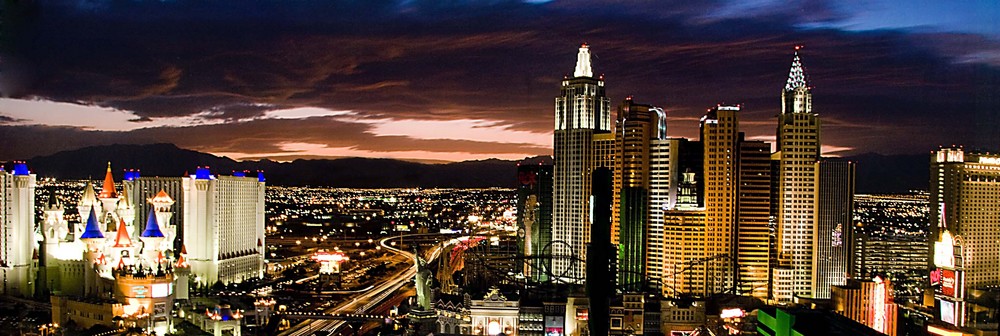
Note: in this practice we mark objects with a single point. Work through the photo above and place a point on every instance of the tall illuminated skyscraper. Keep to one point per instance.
(223, 227)
(581, 111)
(638, 125)
(534, 217)
(17, 231)
(674, 174)
(834, 224)
(798, 150)
(753, 209)
(720, 136)
(964, 203)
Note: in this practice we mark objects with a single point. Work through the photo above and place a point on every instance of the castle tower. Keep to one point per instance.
(152, 240)
(94, 240)
(88, 202)
(126, 210)
(108, 195)
(182, 271)
(123, 249)
(161, 205)
(54, 226)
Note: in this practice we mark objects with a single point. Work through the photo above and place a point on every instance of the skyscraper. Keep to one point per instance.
(638, 125)
(664, 182)
(224, 227)
(582, 110)
(676, 230)
(834, 223)
(719, 136)
(17, 231)
(753, 218)
(534, 206)
(798, 150)
(867, 302)
(685, 268)
(964, 202)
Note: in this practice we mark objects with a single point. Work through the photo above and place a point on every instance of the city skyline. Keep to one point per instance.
(474, 81)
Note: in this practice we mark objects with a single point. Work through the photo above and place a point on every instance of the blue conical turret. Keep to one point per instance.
(152, 228)
(92, 231)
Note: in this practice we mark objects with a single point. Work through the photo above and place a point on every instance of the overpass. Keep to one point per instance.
(293, 315)
(368, 299)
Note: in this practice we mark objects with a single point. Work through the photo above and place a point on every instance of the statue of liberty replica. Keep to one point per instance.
(423, 317)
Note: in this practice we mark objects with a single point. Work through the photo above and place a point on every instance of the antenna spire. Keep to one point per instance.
(797, 75)
(583, 62)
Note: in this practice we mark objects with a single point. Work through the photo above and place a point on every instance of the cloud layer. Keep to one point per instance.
(219, 77)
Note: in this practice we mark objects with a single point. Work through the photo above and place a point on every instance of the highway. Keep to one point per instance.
(371, 298)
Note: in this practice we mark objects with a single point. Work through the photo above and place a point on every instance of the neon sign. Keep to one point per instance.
(948, 283)
(948, 311)
(879, 309)
(989, 160)
(732, 313)
(836, 237)
(944, 251)
(139, 291)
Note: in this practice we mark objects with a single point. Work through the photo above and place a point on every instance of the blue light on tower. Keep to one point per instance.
(21, 168)
(131, 174)
(203, 173)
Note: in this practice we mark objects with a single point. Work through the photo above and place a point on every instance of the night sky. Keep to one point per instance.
(463, 80)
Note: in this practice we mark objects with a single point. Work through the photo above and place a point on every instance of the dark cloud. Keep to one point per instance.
(8, 119)
(499, 61)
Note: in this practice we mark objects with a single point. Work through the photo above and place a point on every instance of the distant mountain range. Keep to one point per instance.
(169, 160)
(876, 173)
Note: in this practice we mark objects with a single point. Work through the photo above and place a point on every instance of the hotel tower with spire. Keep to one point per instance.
(798, 150)
(581, 112)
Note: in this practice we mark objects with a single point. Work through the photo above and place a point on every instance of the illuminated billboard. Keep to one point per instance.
(139, 291)
(935, 277)
(948, 282)
(732, 313)
(952, 283)
(555, 324)
(948, 311)
(879, 318)
(582, 314)
(944, 251)
(161, 290)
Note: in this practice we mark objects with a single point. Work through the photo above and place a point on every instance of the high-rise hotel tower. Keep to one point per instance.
(720, 136)
(582, 110)
(17, 231)
(798, 150)
(638, 126)
(964, 203)
(224, 226)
